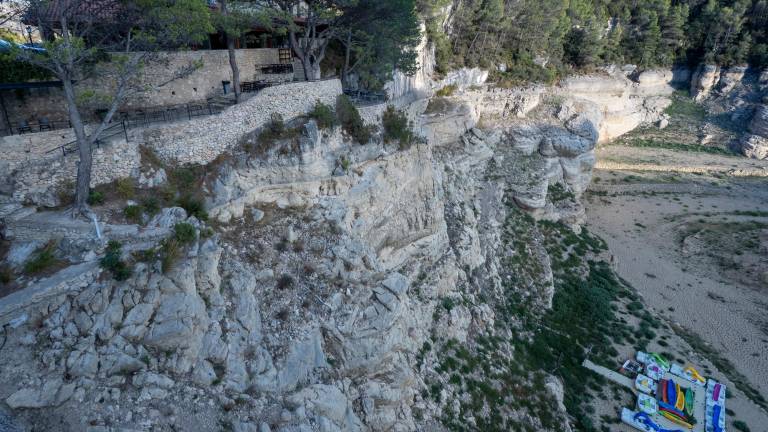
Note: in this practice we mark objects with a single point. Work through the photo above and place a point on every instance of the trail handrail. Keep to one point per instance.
(111, 131)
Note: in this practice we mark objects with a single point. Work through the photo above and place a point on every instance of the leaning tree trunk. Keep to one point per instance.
(311, 68)
(235, 68)
(232, 58)
(84, 150)
(347, 55)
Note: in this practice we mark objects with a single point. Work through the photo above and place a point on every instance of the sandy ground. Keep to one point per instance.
(641, 209)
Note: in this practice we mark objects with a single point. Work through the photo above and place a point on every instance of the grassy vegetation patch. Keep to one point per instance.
(323, 114)
(43, 259)
(683, 106)
(558, 193)
(113, 262)
(653, 143)
(350, 120)
(447, 91)
(397, 128)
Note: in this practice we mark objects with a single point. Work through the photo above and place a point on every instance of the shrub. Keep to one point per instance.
(66, 193)
(185, 179)
(133, 213)
(43, 259)
(146, 255)
(151, 205)
(345, 163)
(398, 128)
(112, 261)
(6, 275)
(350, 120)
(323, 115)
(124, 188)
(184, 233)
(170, 250)
(273, 131)
(193, 206)
(95, 198)
(446, 91)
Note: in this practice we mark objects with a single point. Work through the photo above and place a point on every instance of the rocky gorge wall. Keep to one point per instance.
(312, 304)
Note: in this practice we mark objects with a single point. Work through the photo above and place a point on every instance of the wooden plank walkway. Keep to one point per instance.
(611, 375)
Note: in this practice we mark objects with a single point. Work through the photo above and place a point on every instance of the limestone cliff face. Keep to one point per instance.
(313, 304)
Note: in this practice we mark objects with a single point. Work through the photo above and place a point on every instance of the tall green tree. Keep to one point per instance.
(310, 25)
(379, 37)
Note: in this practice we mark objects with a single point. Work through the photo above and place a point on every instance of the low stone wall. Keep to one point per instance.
(38, 181)
(203, 140)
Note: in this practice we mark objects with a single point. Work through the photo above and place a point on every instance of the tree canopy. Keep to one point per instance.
(540, 39)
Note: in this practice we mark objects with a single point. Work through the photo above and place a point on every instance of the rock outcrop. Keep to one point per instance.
(704, 81)
(755, 143)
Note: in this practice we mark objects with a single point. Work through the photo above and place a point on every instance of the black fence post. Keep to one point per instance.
(125, 131)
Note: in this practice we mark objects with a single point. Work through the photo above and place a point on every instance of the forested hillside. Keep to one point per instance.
(542, 39)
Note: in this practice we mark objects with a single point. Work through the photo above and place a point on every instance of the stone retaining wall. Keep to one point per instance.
(203, 140)
(38, 181)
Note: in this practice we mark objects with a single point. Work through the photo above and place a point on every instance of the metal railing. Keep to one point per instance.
(107, 134)
(254, 86)
(366, 97)
(276, 69)
(42, 125)
(142, 117)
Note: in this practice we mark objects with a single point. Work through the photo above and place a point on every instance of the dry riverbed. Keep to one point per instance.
(690, 232)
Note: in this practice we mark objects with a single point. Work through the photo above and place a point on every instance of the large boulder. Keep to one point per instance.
(754, 146)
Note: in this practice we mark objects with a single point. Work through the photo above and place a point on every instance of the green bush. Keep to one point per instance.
(133, 213)
(151, 205)
(323, 115)
(66, 193)
(350, 120)
(6, 275)
(170, 250)
(114, 264)
(398, 128)
(274, 130)
(95, 198)
(446, 91)
(43, 259)
(184, 232)
(193, 206)
(185, 179)
(125, 188)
